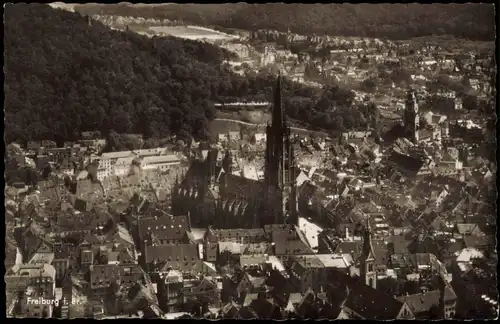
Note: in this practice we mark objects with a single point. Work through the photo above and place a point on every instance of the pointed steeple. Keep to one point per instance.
(368, 227)
(279, 162)
(278, 122)
(367, 259)
(367, 239)
(368, 251)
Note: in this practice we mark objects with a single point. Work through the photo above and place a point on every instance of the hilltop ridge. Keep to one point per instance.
(66, 73)
(395, 21)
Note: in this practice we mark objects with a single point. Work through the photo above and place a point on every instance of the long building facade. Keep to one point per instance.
(212, 195)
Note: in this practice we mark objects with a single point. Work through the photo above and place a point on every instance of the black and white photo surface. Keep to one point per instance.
(250, 161)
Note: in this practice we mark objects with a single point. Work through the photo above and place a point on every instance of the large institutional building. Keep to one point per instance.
(212, 195)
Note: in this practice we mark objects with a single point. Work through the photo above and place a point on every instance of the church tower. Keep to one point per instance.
(280, 165)
(367, 271)
(411, 119)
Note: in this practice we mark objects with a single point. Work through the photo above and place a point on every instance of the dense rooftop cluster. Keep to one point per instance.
(394, 210)
(108, 239)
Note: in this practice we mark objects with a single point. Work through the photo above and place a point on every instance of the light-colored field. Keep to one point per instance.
(191, 32)
(64, 6)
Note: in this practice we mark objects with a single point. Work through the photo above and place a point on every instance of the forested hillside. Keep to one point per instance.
(63, 76)
(397, 21)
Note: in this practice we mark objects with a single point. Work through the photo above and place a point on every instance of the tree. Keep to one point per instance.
(401, 77)
(470, 102)
(339, 123)
(47, 170)
(382, 20)
(465, 81)
(423, 123)
(369, 85)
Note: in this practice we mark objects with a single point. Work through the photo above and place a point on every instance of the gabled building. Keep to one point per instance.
(182, 257)
(165, 229)
(434, 304)
(104, 275)
(365, 302)
(367, 267)
(407, 166)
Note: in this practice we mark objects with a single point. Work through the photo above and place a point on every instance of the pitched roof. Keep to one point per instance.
(176, 256)
(32, 270)
(354, 248)
(160, 159)
(249, 298)
(86, 187)
(209, 236)
(398, 244)
(290, 241)
(408, 164)
(115, 155)
(466, 228)
(173, 276)
(41, 258)
(257, 248)
(237, 186)
(293, 247)
(284, 234)
(480, 242)
(230, 310)
(270, 228)
(371, 303)
(394, 133)
(232, 247)
(423, 302)
(263, 308)
(124, 234)
(252, 260)
(103, 275)
(249, 235)
(308, 190)
(169, 227)
(63, 250)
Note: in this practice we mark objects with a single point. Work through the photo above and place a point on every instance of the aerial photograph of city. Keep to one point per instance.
(250, 161)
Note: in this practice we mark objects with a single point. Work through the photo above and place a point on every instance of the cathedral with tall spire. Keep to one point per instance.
(280, 162)
(212, 194)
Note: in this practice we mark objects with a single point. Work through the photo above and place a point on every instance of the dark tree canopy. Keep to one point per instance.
(65, 74)
(63, 77)
(396, 21)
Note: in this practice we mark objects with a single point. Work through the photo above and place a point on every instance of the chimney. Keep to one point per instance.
(347, 233)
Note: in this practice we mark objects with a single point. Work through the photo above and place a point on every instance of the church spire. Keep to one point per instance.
(278, 122)
(411, 118)
(367, 261)
(367, 237)
(280, 162)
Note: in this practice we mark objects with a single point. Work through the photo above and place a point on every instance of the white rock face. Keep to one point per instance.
(62, 5)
